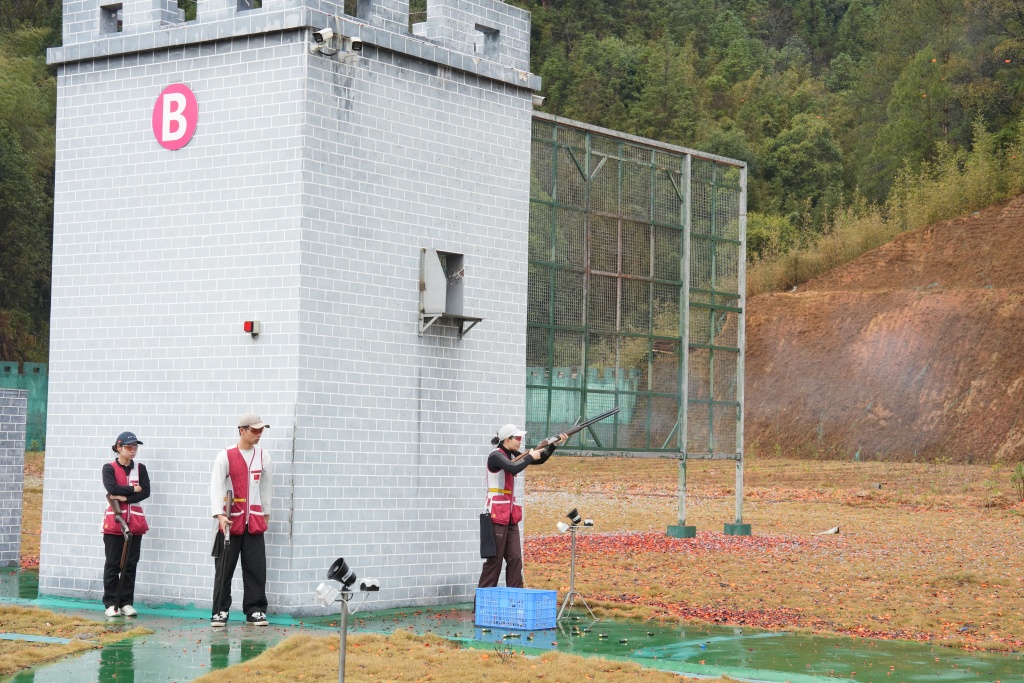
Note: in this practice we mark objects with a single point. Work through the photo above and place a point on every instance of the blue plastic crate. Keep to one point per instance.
(523, 608)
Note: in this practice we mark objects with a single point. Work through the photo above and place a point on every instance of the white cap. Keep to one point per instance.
(252, 420)
(508, 431)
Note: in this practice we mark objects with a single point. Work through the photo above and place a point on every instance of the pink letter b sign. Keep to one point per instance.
(174, 116)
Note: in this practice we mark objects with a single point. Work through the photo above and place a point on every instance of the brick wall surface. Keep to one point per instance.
(303, 201)
(13, 421)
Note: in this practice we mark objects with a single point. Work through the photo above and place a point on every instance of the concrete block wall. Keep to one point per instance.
(13, 421)
(403, 155)
(489, 29)
(140, 16)
(391, 15)
(159, 258)
(303, 202)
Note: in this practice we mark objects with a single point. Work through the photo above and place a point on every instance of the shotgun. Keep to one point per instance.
(221, 553)
(575, 429)
(116, 505)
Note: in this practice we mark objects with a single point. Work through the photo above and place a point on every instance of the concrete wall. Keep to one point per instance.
(13, 418)
(303, 202)
(418, 158)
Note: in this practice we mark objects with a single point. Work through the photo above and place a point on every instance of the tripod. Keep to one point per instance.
(345, 596)
(570, 597)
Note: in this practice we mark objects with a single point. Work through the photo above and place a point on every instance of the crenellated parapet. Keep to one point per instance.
(392, 15)
(139, 16)
(486, 37)
(488, 29)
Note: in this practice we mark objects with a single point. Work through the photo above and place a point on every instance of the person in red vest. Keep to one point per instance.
(128, 482)
(505, 508)
(245, 469)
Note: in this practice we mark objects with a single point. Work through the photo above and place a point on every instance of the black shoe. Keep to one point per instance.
(219, 620)
(257, 619)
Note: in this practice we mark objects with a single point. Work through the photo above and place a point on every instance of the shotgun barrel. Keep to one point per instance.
(575, 429)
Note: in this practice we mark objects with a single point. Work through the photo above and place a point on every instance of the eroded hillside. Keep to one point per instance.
(912, 351)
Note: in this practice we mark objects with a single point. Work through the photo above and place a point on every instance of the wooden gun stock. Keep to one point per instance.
(115, 504)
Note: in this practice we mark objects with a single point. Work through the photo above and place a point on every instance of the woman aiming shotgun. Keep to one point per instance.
(503, 464)
(504, 511)
(127, 484)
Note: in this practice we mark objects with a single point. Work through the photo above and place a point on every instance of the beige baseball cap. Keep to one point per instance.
(252, 420)
(509, 430)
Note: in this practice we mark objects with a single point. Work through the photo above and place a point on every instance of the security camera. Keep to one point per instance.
(356, 45)
(537, 100)
(322, 40)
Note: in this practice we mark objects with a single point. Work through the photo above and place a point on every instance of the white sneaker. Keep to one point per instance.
(257, 619)
(129, 611)
(112, 612)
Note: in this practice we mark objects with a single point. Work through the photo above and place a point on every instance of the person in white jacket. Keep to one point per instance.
(245, 470)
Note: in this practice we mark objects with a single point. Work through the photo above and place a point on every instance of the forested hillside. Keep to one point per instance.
(857, 117)
(824, 99)
(28, 93)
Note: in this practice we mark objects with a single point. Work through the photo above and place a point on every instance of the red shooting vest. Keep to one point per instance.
(245, 483)
(131, 514)
(501, 497)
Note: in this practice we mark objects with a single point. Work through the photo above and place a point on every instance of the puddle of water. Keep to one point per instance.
(20, 584)
(744, 654)
(182, 647)
(153, 659)
(34, 639)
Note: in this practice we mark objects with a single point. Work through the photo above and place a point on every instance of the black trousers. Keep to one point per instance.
(112, 545)
(253, 551)
(506, 538)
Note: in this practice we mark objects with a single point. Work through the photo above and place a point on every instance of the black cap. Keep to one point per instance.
(125, 439)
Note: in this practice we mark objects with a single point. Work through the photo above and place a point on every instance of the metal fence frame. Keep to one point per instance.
(701, 198)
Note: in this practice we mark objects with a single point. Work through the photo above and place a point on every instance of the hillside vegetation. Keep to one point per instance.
(859, 119)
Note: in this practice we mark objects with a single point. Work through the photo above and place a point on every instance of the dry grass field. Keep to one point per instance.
(410, 658)
(930, 552)
(925, 551)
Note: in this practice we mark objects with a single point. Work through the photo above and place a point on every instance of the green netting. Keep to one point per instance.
(33, 378)
(619, 264)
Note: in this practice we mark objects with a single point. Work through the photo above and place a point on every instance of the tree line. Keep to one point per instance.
(830, 102)
(28, 101)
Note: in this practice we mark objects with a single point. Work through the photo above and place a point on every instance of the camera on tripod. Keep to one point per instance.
(577, 523)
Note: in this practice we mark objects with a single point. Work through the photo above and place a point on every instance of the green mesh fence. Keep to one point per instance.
(33, 378)
(618, 227)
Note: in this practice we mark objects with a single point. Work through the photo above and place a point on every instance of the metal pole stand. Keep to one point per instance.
(345, 597)
(570, 597)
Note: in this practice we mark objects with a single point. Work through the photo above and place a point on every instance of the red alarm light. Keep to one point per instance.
(252, 327)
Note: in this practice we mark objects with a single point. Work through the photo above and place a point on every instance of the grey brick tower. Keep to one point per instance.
(304, 199)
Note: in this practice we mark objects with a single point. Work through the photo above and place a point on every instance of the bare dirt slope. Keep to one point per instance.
(914, 350)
